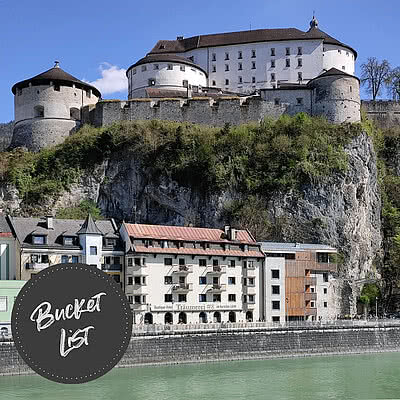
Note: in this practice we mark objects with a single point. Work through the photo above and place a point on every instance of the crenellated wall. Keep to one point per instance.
(233, 110)
(385, 112)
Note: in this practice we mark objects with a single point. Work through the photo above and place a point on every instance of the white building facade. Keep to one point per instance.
(192, 275)
(261, 59)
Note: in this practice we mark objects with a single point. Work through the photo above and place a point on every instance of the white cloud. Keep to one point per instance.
(113, 79)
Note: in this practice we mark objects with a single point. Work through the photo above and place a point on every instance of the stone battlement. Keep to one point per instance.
(209, 111)
(385, 112)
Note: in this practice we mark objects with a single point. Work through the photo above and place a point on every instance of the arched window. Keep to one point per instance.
(249, 316)
(148, 318)
(232, 316)
(182, 318)
(168, 319)
(38, 111)
(75, 113)
(217, 316)
(203, 318)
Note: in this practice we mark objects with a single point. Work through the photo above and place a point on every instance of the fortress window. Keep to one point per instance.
(214, 57)
(240, 67)
(152, 82)
(226, 56)
(170, 67)
(325, 291)
(240, 79)
(161, 47)
(347, 53)
(226, 81)
(299, 101)
(182, 68)
(343, 67)
(253, 65)
(277, 102)
(300, 76)
(273, 52)
(191, 58)
(351, 89)
(299, 62)
(74, 113)
(185, 83)
(272, 77)
(287, 62)
(240, 56)
(88, 93)
(253, 54)
(226, 67)
(57, 88)
(325, 304)
(134, 71)
(214, 83)
(144, 68)
(39, 111)
(299, 51)
(339, 51)
(214, 68)
(272, 63)
(155, 66)
(253, 79)
(288, 51)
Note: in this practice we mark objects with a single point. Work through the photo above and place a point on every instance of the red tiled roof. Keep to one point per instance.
(6, 234)
(142, 231)
(199, 252)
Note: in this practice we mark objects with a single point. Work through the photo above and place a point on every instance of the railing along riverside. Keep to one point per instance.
(232, 326)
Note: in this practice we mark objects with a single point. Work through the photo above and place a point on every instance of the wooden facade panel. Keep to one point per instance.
(332, 267)
(304, 255)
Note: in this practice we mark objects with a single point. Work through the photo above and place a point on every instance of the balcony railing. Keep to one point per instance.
(250, 289)
(140, 307)
(310, 311)
(310, 296)
(325, 266)
(137, 289)
(216, 270)
(111, 267)
(182, 269)
(217, 288)
(37, 265)
(308, 280)
(182, 287)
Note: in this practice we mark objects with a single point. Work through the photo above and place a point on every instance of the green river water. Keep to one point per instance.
(370, 376)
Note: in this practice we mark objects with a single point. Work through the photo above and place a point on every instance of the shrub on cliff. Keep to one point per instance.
(252, 159)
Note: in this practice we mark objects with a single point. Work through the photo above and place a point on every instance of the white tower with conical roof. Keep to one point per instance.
(48, 108)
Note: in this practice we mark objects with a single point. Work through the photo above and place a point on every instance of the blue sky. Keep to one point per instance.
(98, 40)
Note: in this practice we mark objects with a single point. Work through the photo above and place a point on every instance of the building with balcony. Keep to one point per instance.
(297, 283)
(42, 242)
(191, 275)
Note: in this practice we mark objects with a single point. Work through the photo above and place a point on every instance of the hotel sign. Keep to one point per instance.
(199, 308)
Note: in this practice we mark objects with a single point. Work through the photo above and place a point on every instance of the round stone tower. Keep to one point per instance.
(48, 108)
(335, 95)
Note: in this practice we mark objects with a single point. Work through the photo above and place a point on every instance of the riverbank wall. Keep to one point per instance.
(158, 347)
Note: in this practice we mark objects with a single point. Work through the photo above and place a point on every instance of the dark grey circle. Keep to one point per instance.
(102, 331)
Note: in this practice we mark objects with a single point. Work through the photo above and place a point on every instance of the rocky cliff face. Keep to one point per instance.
(343, 211)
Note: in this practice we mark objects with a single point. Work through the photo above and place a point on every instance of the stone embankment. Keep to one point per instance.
(193, 344)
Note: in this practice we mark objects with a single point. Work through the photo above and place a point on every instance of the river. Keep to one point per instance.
(368, 376)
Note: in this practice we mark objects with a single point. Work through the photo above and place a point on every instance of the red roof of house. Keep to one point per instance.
(143, 231)
(199, 252)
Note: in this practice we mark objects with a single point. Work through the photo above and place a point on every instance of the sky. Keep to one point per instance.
(97, 41)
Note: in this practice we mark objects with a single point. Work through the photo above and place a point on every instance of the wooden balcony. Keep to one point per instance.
(310, 311)
(310, 296)
(308, 280)
(320, 266)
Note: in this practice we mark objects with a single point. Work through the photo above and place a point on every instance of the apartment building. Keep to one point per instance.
(298, 280)
(42, 242)
(191, 275)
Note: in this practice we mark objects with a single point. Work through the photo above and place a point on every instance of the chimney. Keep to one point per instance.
(179, 38)
(232, 234)
(49, 222)
(226, 230)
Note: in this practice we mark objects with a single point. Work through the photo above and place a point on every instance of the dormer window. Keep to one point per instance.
(38, 239)
(110, 242)
(68, 241)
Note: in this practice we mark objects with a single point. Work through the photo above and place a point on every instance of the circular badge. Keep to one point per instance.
(71, 323)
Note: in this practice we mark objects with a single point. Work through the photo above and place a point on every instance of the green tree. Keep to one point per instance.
(81, 211)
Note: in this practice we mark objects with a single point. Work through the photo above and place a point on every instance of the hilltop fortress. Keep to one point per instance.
(234, 78)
